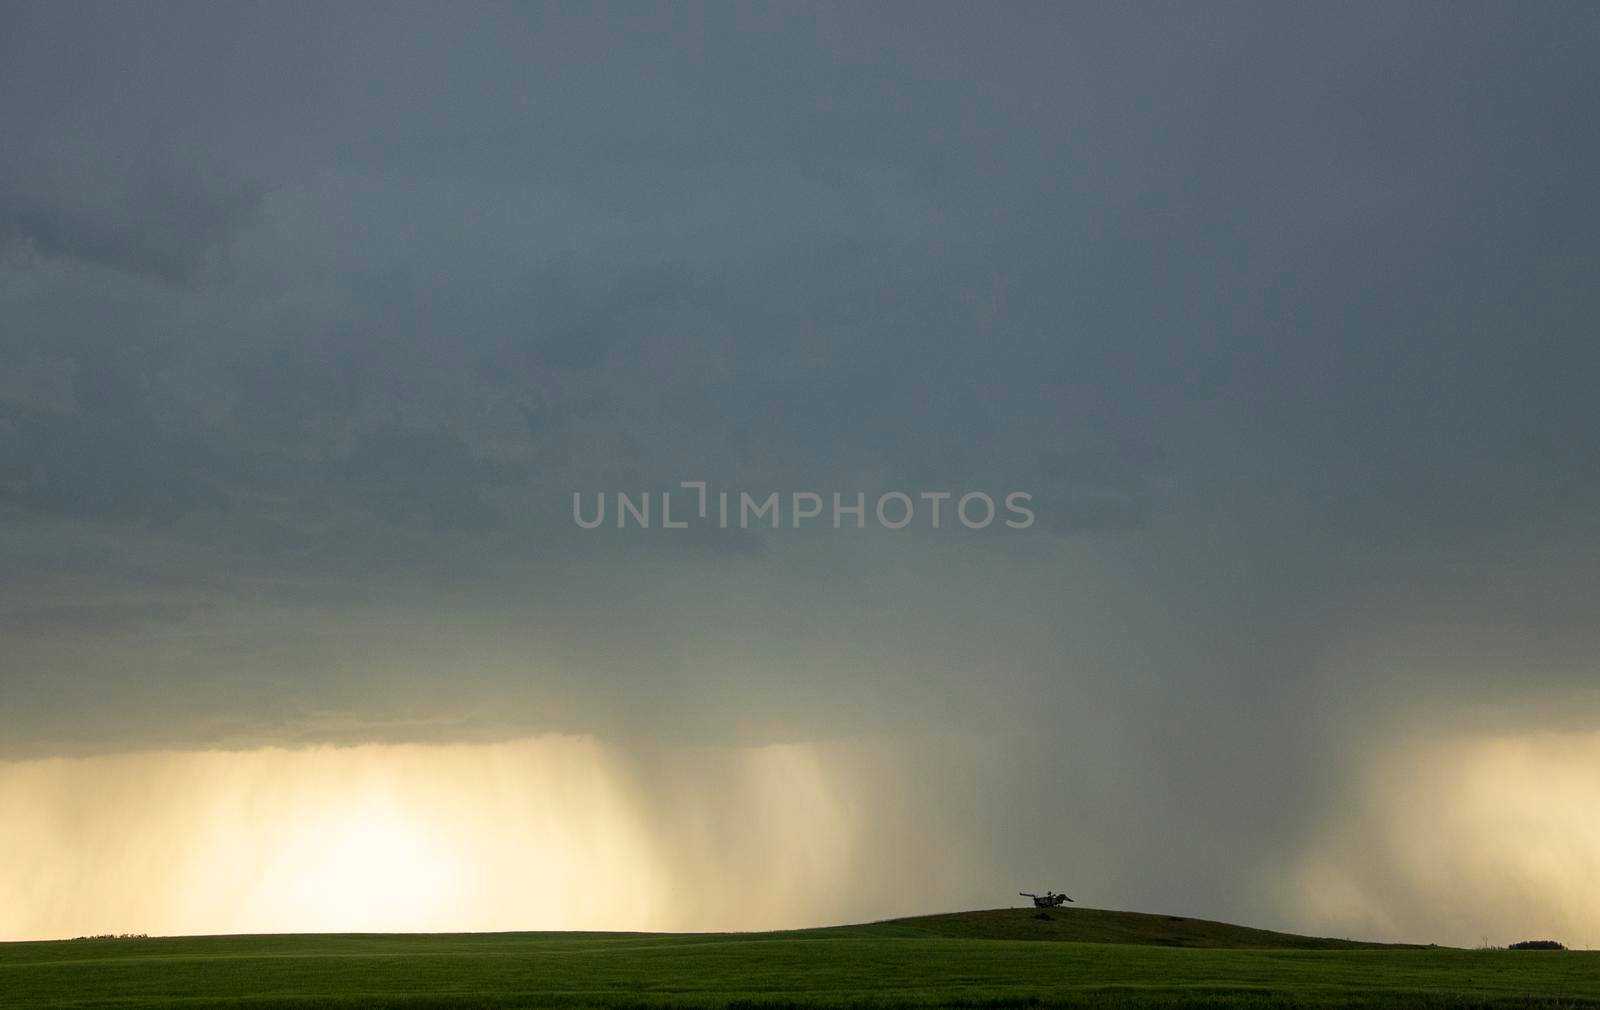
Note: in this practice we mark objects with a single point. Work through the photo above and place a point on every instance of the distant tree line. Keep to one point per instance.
(115, 936)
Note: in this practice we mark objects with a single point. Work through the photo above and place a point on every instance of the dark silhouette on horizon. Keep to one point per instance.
(1048, 899)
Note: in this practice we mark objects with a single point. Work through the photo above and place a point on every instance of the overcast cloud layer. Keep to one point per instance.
(312, 321)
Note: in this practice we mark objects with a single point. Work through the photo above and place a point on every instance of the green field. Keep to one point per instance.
(1004, 958)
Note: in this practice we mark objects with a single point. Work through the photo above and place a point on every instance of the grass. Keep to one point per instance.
(971, 960)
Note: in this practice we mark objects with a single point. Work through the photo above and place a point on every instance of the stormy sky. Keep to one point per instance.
(313, 320)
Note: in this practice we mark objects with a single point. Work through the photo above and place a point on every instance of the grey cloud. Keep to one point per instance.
(83, 465)
(1283, 314)
(576, 314)
(161, 218)
(429, 475)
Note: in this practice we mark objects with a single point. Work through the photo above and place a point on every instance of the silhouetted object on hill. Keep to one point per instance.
(1537, 945)
(1048, 899)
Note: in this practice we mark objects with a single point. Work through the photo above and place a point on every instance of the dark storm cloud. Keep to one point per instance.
(155, 219)
(1284, 315)
(430, 473)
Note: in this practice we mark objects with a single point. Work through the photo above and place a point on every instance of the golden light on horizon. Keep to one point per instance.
(543, 833)
(1464, 840)
(1449, 840)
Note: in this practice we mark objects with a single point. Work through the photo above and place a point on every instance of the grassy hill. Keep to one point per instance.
(970, 960)
(1097, 925)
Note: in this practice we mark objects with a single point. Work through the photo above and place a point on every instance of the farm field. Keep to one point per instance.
(1001, 958)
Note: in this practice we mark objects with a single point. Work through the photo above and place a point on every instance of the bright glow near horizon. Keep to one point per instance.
(1464, 841)
(548, 833)
(1450, 841)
